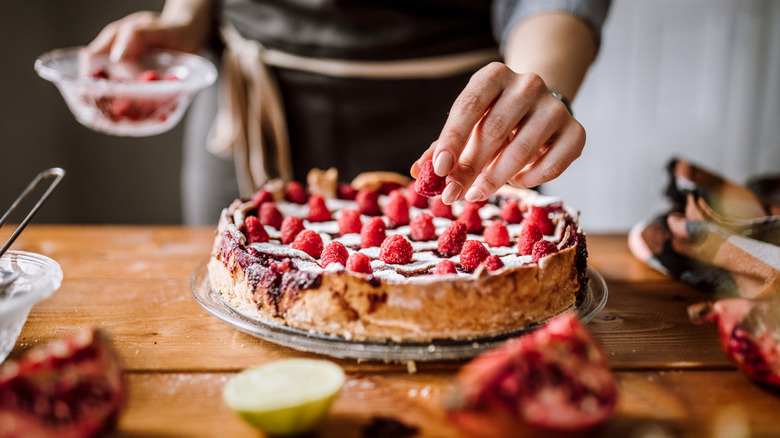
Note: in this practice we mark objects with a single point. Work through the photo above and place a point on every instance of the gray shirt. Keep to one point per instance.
(393, 29)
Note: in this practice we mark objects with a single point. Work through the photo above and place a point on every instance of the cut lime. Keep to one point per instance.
(285, 397)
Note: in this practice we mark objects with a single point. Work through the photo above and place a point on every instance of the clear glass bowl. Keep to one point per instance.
(39, 277)
(120, 102)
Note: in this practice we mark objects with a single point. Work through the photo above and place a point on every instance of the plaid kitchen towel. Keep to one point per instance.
(718, 236)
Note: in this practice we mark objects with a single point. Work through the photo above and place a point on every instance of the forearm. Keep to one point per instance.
(196, 16)
(559, 47)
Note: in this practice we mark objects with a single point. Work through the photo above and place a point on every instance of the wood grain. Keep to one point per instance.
(135, 283)
(652, 403)
(157, 325)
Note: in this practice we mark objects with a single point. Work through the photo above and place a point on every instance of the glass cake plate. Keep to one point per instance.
(592, 303)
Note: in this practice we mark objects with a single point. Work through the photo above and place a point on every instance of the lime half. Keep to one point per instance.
(285, 397)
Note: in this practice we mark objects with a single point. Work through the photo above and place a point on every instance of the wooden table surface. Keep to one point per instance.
(134, 282)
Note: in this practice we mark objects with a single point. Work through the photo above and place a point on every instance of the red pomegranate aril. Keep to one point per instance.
(554, 378)
(73, 387)
(749, 334)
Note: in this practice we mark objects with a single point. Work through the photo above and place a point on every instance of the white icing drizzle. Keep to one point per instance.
(282, 251)
(424, 257)
(273, 233)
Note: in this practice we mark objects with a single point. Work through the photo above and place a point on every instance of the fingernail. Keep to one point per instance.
(443, 163)
(474, 194)
(413, 170)
(451, 193)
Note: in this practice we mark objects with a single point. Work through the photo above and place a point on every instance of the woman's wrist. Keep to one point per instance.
(195, 18)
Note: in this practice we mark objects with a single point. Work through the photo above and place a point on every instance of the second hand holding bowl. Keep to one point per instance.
(144, 97)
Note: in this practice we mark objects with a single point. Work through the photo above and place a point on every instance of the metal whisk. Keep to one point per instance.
(8, 277)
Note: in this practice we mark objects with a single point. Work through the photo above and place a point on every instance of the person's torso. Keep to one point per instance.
(357, 29)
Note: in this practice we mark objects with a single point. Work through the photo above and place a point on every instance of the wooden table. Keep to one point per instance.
(135, 283)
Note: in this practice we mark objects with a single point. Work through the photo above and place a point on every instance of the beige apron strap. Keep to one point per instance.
(250, 123)
(421, 68)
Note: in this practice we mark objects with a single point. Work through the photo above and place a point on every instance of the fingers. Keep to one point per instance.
(474, 101)
(530, 142)
(131, 36)
(562, 151)
(478, 129)
(481, 119)
(503, 127)
(104, 40)
(125, 38)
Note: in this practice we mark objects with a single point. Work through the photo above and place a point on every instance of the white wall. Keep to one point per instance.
(693, 78)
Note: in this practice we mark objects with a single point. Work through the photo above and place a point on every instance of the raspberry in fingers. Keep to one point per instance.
(426, 156)
(522, 105)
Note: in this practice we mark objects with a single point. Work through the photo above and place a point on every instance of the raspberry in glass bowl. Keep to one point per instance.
(143, 97)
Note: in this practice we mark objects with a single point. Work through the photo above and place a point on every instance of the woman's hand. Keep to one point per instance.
(183, 25)
(503, 127)
(507, 126)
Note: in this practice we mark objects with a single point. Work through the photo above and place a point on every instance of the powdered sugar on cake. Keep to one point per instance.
(424, 257)
(450, 284)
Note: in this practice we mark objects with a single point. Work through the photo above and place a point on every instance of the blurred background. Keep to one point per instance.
(698, 79)
(109, 179)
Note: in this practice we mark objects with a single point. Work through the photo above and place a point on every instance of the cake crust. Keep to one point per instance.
(271, 282)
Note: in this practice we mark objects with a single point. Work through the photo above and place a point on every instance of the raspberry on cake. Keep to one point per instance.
(445, 267)
(346, 191)
(496, 234)
(359, 262)
(452, 239)
(529, 235)
(494, 263)
(415, 199)
(295, 192)
(539, 217)
(262, 196)
(542, 249)
(270, 215)
(349, 221)
(470, 217)
(291, 226)
(318, 211)
(372, 233)
(368, 202)
(422, 228)
(255, 232)
(309, 242)
(510, 213)
(401, 283)
(473, 254)
(440, 209)
(397, 209)
(335, 252)
(396, 250)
